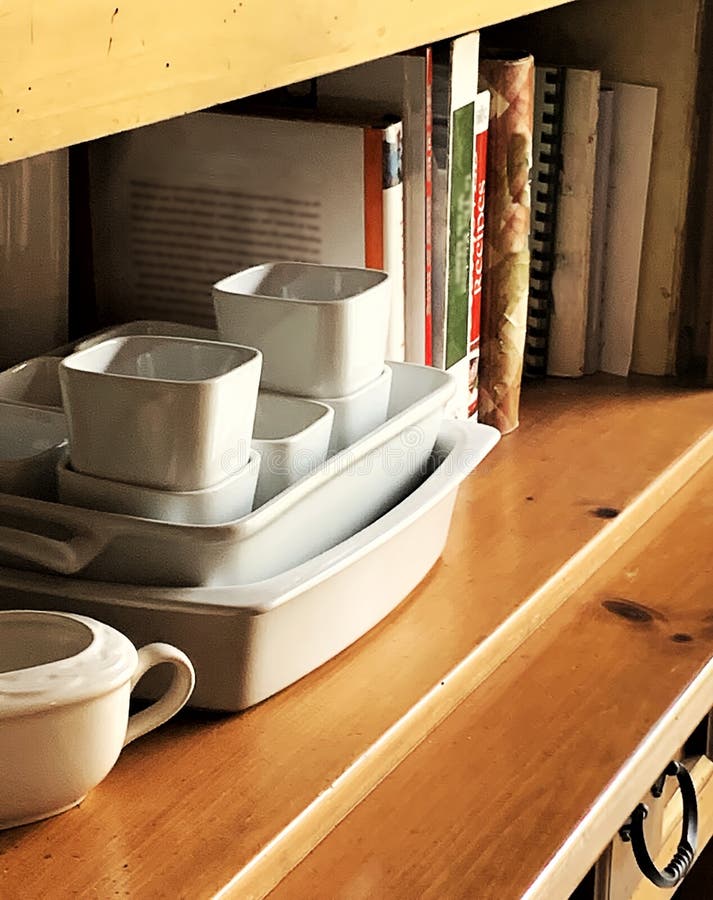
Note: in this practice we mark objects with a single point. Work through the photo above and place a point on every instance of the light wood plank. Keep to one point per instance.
(80, 69)
(517, 793)
(208, 802)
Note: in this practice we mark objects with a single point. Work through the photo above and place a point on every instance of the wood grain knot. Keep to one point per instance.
(606, 512)
(631, 611)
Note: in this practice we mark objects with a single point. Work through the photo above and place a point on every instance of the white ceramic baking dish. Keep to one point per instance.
(246, 643)
(34, 382)
(32, 440)
(292, 437)
(346, 493)
(359, 413)
(227, 500)
(147, 327)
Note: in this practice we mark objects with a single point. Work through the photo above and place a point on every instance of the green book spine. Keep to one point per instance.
(460, 215)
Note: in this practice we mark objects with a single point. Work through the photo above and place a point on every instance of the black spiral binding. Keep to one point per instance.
(546, 169)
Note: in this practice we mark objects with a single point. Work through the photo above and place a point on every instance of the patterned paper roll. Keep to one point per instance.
(510, 80)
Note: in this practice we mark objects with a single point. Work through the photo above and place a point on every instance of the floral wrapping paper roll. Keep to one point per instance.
(506, 270)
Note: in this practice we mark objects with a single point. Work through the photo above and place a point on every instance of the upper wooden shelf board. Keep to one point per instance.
(207, 803)
(80, 69)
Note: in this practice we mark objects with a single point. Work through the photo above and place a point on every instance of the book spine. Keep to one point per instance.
(454, 123)
(393, 236)
(482, 114)
(460, 220)
(507, 228)
(549, 99)
(570, 279)
(428, 100)
(373, 199)
(631, 153)
(597, 263)
(439, 207)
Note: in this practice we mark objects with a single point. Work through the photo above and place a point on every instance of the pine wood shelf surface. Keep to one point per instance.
(233, 803)
(517, 793)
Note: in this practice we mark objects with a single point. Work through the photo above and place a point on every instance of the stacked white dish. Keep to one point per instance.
(165, 444)
(161, 427)
(33, 431)
(33, 383)
(160, 423)
(32, 440)
(292, 437)
(322, 331)
(160, 412)
(145, 327)
(347, 492)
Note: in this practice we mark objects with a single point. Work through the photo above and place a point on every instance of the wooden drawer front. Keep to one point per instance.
(617, 875)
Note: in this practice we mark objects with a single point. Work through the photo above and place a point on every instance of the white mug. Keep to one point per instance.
(65, 684)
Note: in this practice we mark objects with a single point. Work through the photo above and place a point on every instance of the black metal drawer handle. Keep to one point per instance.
(682, 859)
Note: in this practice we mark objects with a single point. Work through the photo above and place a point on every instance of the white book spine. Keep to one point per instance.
(393, 238)
(632, 144)
(592, 356)
(570, 279)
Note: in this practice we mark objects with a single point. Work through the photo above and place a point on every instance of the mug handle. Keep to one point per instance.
(179, 690)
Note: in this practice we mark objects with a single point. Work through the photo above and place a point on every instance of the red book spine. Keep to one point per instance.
(373, 199)
(428, 212)
(478, 244)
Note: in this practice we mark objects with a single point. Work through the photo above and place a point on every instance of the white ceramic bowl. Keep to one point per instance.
(65, 683)
(149, 327)
(359, 413)
(32, 441)
(321, 329)
(227, 500)
(292, 436)
(162, 412)
(34, 383)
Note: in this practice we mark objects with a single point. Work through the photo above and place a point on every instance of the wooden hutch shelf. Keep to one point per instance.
(230, 805)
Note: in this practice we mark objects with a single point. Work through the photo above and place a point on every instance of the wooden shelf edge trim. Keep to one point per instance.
(291, 845)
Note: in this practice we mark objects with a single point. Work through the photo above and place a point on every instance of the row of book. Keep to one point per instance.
(591, 165)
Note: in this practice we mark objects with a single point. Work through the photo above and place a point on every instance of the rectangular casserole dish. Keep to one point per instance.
(248, 642)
